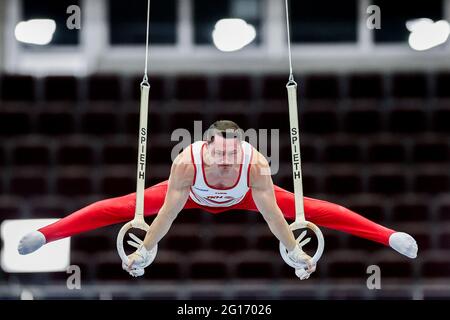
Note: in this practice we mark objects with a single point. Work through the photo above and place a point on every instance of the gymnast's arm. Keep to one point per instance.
(264, 198)
(180, 181)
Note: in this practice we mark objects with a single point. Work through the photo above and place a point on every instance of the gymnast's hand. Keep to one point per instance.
(138, 260)
(299, 256)
(133, 267)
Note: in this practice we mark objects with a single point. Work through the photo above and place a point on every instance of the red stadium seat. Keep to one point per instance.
(431, 180)
(408, 120)
(440, 119)
(93, 242)
(160, 154)
(231, 217)
(192, 216)
(31, 152)
(185, 120)
(393, 265)
(436, 265)
(322, 87)
(184, 240)
(236, 87)
(387, 151)
(360, 121)
(110, 269)
(104, 87)
(356, 243)
(409, 85)
(15, 122)
(166, 266)
(208, 265)
(444, 237)
(116, 181)
(366, 86)
(387, 182)
(76, 151)
(56, 121)
(229, 239)
(50, 206)
(275, 119)
(347, 264)
(17, 88)
(191, 88)
(410, 210)
(443, 208)
(320, 121)
(120, 152)
(253, 265)
(431, 150)
(99, 122)
(60, 88)
(342, 180)
(3, 155)
(74, 181)
(28, 183)
(442, 84)
(342, 150)
(11, 207)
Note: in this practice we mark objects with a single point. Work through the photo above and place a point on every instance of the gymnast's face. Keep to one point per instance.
(224, 153)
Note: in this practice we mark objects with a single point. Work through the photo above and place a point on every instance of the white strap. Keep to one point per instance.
(142, 154)
(296, 156)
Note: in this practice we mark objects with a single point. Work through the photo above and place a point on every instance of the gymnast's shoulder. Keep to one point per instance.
(259, 166)
(182, 166)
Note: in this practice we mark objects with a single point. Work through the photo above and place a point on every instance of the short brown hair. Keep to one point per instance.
(224, 128)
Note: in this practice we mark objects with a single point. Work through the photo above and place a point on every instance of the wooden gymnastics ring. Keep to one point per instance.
(134, 224)
(320, 240)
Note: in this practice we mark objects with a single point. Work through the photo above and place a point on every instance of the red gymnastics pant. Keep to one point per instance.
(121, 209)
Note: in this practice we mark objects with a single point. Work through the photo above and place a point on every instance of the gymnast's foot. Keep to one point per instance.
(404, 243)
(31, 242)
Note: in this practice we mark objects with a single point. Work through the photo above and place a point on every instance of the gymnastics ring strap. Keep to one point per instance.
(138, 222)
(300, 221)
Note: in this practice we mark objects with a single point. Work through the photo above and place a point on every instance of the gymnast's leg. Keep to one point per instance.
(96, 215)
(337, 217)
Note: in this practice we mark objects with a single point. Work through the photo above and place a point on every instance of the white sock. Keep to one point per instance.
(31, 242)
(404, 243)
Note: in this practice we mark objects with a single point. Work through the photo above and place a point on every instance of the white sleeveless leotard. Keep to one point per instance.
(206, 195)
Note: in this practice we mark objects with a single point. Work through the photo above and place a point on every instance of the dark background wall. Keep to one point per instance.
(374, 139)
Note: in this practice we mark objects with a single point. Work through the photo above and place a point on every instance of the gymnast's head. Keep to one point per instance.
(224, 147)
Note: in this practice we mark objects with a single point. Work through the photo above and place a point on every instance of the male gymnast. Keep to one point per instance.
(220, 174)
